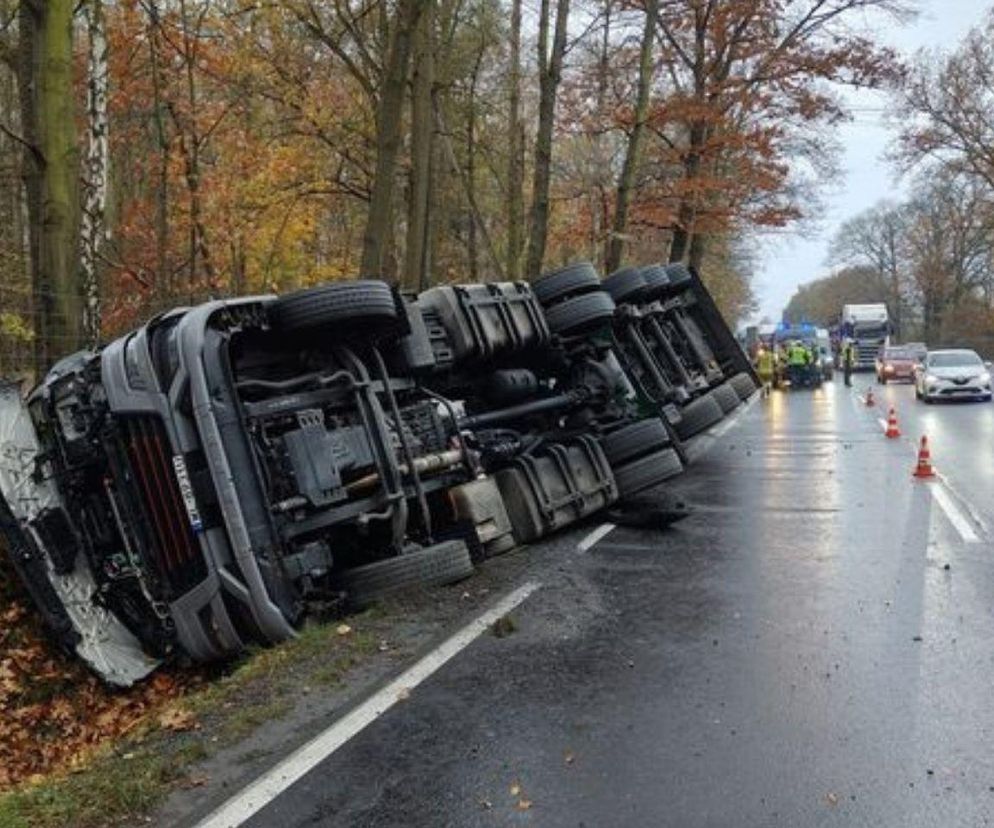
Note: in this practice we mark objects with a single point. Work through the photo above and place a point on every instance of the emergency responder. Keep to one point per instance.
(765, 365)
(848, 361)
(797, 359)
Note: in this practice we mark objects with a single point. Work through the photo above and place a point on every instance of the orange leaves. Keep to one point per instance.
(53, 712)
(177, 719)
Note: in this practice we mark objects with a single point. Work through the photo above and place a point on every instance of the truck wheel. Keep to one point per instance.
(580, 312)
(698, 415)
(365, 306)
(743, 385)
(443, 563)
(727, 397)
(655, 280)
(634, 439)
(625, 285)
(573, 280)
(647, 471)
(678, 274)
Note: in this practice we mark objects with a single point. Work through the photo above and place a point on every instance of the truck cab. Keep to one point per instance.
(867, 327)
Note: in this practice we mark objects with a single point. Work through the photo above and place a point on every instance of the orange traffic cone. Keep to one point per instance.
(892, 429)
(869, 398)
(923, 469)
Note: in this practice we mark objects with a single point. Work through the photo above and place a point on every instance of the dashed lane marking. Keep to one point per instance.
(271, 784)
(959, 521)
(599, 533)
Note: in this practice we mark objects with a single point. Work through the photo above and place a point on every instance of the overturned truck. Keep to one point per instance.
(205, 482)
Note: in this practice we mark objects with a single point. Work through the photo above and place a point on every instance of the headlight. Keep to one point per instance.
(889, 369)
(931, 378)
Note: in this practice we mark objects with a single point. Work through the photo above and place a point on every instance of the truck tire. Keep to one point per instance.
(647, 471)
(634, 439)
(443, 563)
(678, 274)
(698, 415)
(743, 384)
(625, 285)
(580, 312)
(573, 280)
(727, 397)
(365, 306)
(656, 281)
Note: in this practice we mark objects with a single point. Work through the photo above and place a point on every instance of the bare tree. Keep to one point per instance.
(550, 68)
(875, 238)
(634, 144)
(389, 123)
(515, 149)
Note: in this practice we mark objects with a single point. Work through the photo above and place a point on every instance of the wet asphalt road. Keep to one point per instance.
(795, 654)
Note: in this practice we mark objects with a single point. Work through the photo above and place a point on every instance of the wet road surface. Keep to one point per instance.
(813, 647)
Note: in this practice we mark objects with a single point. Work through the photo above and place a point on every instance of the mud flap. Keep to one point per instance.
(94, 633)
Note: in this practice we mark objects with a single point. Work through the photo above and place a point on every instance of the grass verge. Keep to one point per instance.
(130, 778)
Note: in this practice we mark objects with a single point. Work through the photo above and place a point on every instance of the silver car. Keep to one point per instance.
(952, 374)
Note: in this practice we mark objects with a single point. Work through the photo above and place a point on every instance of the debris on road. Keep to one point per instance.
(504, 626)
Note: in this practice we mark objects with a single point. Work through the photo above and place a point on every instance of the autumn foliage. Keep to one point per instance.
(53, 712)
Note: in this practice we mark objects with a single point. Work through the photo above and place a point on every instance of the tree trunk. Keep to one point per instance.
(450, 155)
(389, 120)
(632, 150)
(550, 73)
(472, 245)
(95, 171)
(163, 278)
(422, 134)
(515, 159)
(687, 210)
(190, 148)
(600, 184)
(51, 168)
(698, 249)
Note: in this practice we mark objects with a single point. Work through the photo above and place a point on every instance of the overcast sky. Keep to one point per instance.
(787, 260)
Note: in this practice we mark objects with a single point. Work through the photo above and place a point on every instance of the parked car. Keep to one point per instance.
(206, 481)
(952, 374)
(918, 350)
(896, 363)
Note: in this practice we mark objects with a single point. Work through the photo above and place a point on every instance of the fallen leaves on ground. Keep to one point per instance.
(53, 712)
(177, 719)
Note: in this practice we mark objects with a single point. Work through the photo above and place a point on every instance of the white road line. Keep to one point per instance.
(598, 534)
(955, 516)
(970, 510)
(271, 784)
(883, 423)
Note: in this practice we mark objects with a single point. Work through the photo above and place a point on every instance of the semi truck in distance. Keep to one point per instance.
(867, 327)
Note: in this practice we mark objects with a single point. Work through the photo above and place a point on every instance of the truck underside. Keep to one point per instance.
(209, 480)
